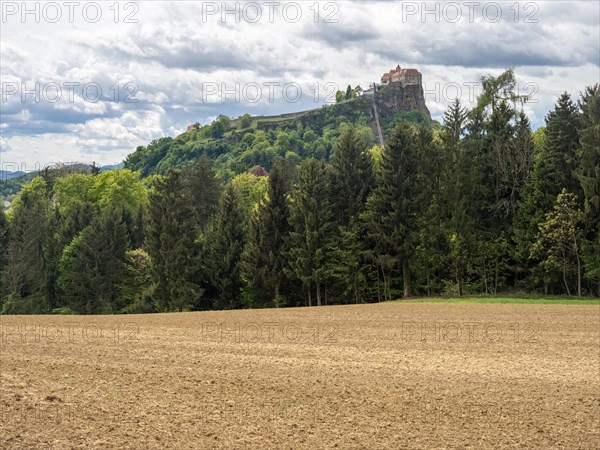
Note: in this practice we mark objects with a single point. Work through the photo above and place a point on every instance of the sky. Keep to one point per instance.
(91, 81)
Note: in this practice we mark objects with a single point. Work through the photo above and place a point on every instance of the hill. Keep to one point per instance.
(240, 144)
(7, 174)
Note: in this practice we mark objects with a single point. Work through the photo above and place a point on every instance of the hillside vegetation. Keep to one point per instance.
(311, 212)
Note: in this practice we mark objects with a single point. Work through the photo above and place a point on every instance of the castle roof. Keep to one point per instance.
(399, 71)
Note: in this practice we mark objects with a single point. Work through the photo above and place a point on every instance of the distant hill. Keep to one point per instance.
(7, 175)
(12, 182)
(248, 141)
(238, 145)
(112, 167)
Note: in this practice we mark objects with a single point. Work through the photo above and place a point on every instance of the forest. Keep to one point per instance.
(228, 216)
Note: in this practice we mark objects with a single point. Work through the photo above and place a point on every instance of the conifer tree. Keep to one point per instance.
(396, 203)
(312, 225)
(24, 277)
(92, 266)
(264, 258)
(588, 174)
(224, 246)
(204, 189)
(553, 170)
(170, 241)
(352, 176)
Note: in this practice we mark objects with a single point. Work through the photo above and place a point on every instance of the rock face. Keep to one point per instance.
(396, 97)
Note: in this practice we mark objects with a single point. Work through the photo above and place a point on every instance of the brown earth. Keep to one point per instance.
(412, 375)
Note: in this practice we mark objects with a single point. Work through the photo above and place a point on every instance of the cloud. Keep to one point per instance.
(154, 75)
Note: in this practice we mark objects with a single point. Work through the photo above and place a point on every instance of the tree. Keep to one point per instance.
(559, 239)
(588, 170)
(249, 189)
(245, 121)
(3, 248)
(561, 147)
(263, 259)
(223, 250)
(94, 169)
(170, 241)
(349, 92)
(514, 160)
(553, 170)
(25, 275)
(588, 174)
(311, 220)
(395, 201)
(352, 176)
(91, 267)
(205, 190)
(453, 127)
(135, 287)
(457, 194)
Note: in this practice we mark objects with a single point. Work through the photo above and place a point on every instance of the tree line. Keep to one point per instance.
(483, 205)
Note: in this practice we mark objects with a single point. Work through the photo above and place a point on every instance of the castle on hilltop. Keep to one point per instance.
(404, 76)
(397, 77)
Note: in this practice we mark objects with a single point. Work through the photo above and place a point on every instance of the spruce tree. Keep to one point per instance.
(396, 203)
(588, 171)
(224, 245)
(457, 193)
(352, 176)
(312, 227)
(553, 170)
(264, 259)
(92, 266)
(588, 174)
(25, 274)
(205, 189)
(170, 233)
(559, 160)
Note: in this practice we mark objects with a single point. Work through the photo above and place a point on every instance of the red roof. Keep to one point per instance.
(400, 71)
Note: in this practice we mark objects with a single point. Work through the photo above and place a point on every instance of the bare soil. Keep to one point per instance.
(407, 375)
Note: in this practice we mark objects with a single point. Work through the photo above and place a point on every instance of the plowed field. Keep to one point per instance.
(401, 375)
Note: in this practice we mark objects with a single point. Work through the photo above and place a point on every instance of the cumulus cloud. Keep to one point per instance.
(149, 78)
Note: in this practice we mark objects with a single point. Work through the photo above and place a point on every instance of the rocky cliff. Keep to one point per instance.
(395, 98)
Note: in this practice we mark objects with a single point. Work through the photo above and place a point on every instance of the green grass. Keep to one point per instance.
(530, 300)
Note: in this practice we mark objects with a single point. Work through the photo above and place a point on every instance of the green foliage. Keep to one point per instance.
(553, 170)
(263, 260)
(223, 250)
(204, 189)
(135, 289)
(3, 248)
(388, 124)
(245, 121)
(559, 240)
(352, 176)
(312, 227)
(269, 211)
(250, 189)
(92, 265)
(395, 203)
(588, 174)
(24, 278)
(171, 244)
